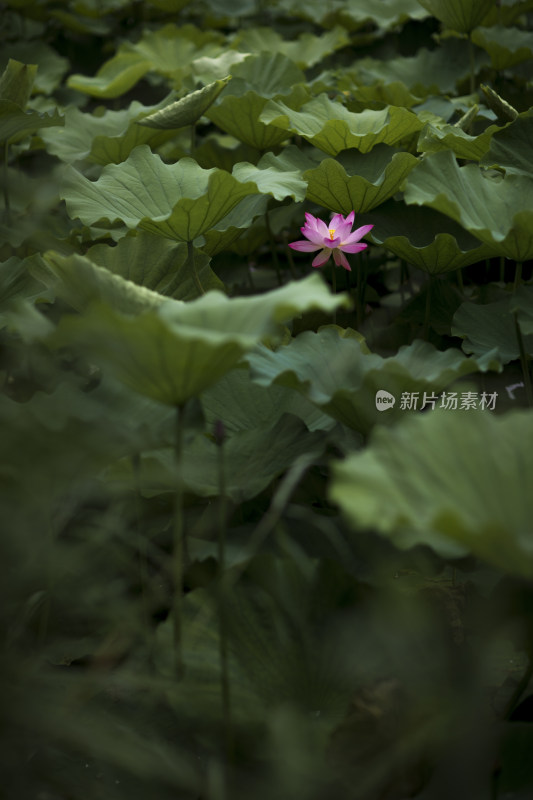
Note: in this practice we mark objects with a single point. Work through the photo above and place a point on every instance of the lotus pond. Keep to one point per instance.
(266, 329)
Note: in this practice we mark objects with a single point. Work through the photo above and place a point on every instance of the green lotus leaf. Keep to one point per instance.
(105, 139)
(455, 481)
(506, 46)
(51, 66)
(254, 80)
(508, 15)
(358, 181)
(460, 15)
(274, 175)
(16, 123)
(157, 264)
(435, 138)
(16, 82)
(278, 618)
(342, 379)
(80, 282)
(206, 69)
(187, 110)
(231, 227)
(386, 15)
(16, 280)
(114, 78)
(224, 151)
(177, 350)
(491, 327)
(240, 404)
(180, 201)
(252, 458)
(428, 72)
(497, 210)
(168, 51)
(430, 241)
(240, 116)
(378, 95)
(332, 128)
(511, 147)
(306, 51)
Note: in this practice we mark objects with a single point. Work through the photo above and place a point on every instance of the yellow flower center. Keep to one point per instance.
(332, 233)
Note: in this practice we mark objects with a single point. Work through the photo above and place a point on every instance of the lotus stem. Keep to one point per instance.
(193, 138)
(471, 56)
(358, 310)
(517, 276)
(5, 182)
(141, 542)
(460, 280)
(273, 250)
(192, 268)
(178, 546)
(427, 315)
(223, 639)
(523, 362)
(290, 259)
(334, 289)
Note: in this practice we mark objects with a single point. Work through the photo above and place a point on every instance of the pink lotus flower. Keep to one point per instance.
(333, 239)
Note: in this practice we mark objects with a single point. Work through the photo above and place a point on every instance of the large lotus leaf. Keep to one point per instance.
(156, 263)
(306, 51)
(168, 51)
(252, 458)
(16, 123)
(435, 138)
(332, 128)
(80, 282)
(460, 15)
(254, 80)
(231, 227)
(105, 139)
(16, 280)
(41, 452)
(268, 74)
(16, 82)
(187, 110)
(282, 625)
(506, 46)
(254, 316)
(240, 116)
(180, 201)
(378, 95)
(497, 210)
(356, 14)
(458, 480)
(274, 175)
(358, 181)
(114, 78)
(342, 379)
(176, 351)
(428, 72)
(490, 327)
(511, 147)
(207, 69)
(508, 14)
(423, 237)
(51, 66)
(241, 404)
